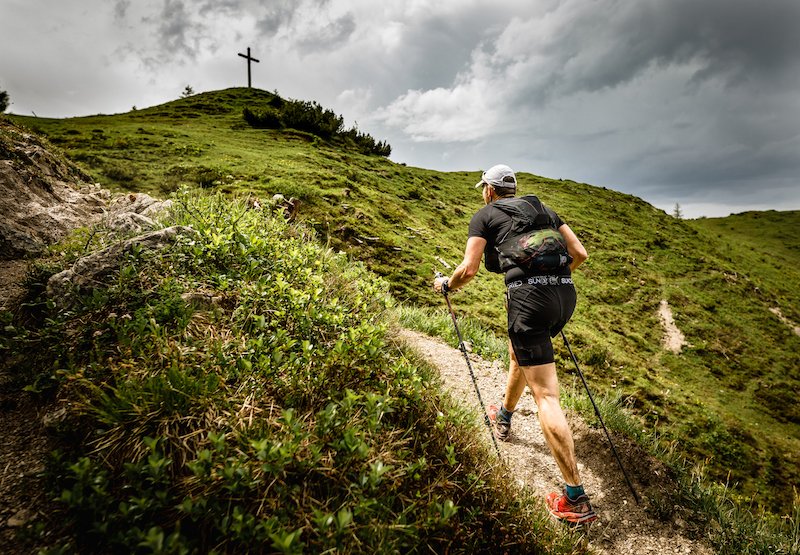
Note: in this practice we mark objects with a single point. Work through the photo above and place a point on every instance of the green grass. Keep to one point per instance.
(761, 247)
(275, 418)
(728, 398)
(731, 527)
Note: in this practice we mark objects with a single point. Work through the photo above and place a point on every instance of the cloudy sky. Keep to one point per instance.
(675, 101)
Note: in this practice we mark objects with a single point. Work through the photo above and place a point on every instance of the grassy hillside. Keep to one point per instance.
(237, 393)
(763, 247)
(727, 398)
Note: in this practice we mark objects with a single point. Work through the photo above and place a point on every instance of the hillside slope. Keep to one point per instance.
(624, 527)
(762, 246)
(232, 390)
(726, 398)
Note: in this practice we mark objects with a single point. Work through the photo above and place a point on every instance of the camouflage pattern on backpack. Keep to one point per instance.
(533, 243)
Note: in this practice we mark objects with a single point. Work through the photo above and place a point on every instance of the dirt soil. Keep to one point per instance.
(623, 527)
(25, 443)
(673, 337)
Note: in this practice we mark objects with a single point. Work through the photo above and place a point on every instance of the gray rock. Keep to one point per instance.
(40, 200)
(130, 222)
(43, 197)
(134, 213)
(94, 270)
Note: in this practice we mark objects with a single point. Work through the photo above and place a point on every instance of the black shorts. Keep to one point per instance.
(535, 314)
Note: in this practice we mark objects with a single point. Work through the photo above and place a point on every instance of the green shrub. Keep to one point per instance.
(269, 118)
(237, 393)
(311, 117)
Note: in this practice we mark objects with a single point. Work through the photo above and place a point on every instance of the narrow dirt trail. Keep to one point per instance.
(674, 339)
(25, 444)
(623, 527)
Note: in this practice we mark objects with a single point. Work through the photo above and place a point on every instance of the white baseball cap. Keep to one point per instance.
(498, 176)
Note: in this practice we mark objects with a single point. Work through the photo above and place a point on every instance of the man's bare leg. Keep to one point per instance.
(543, 382)
(515, 384)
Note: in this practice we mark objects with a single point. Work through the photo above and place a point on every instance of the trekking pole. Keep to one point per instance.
(463, 349)
(600, 418)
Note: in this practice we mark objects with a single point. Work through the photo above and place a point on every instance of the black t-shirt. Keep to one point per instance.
(492, 223)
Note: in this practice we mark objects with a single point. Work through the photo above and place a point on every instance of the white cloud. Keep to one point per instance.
(462, 113)
(391, 35)
(355, 103)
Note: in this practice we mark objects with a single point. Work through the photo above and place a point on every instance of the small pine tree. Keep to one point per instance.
(677, 212)
(3, 101)
(187, 92)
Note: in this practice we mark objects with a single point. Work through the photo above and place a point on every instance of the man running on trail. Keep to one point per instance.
(539, 304)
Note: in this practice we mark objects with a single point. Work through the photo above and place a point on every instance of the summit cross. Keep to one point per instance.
(249, 59)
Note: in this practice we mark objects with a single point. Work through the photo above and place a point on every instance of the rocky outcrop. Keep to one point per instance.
(42, 196)
(133, 213)
(94, 270)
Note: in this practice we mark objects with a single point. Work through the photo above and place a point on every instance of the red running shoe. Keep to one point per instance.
(578, 511)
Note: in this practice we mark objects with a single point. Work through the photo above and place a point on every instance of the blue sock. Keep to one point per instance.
(573, 492)
(504, 414)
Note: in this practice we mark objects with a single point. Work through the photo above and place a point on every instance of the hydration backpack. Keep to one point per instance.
(533, 243)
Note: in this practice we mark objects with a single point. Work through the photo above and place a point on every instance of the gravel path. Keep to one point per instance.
(623, 527)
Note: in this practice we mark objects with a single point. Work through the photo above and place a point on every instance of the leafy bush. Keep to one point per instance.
(238, 394)
(312, 118)
(269, 118)
(4, 100)
(366, 143)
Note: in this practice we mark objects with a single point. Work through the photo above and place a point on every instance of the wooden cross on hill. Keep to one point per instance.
(249, 59)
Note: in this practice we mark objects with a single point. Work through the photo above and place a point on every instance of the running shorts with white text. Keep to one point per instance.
(535, 314)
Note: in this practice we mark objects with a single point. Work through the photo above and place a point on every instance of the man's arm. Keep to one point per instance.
(467, 269)
(574, 247)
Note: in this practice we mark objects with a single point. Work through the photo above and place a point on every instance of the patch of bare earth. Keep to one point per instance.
(12, 272)
(673, 337)
(623, 527)
(777, 312)
(25, 445)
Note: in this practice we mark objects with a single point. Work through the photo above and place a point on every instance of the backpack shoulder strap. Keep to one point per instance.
(528, 209)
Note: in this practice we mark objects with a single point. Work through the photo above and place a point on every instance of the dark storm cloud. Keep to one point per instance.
(735, 171)
(450, 37)
(121, 9)
(176, 32)
(214, 7)
(743, 41)
(329, 36)
(687, 99)
(279, 14)
(669, 98)
(591, 46)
